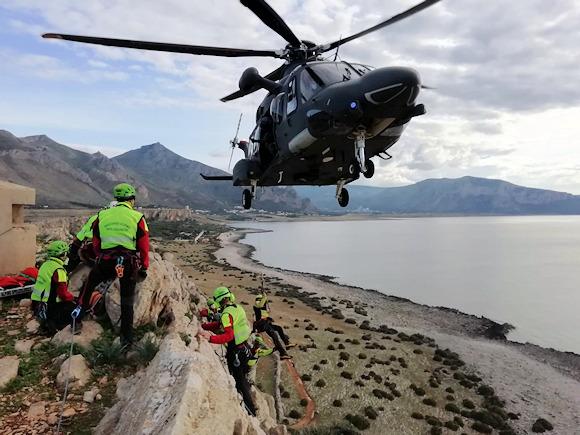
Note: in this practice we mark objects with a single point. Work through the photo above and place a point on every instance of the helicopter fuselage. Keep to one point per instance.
(310, 130)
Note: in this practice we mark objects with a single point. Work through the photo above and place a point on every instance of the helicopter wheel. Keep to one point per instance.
(370, 169)
(343, 197)
(247, 199)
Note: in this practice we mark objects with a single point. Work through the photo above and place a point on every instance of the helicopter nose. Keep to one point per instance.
(390, 90)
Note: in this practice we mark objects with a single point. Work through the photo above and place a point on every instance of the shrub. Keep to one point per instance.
(452, 407)
(350, 321)
(147, 350)
(344, 356)
(336, 340)
(306, 377)
(433, 421)
(417, 416)
(366, 337)
(340, 364)
(354, 396)
(358, 421)
(355, 341)
(371, 413)
(341, 346)
(418, 351)
(315, 367)
(429, 402)
(450, 398)
(285, 394)
(320, 383)
(337, 403)
(346, 375)
(458, 420)
(294, 414)
(450, 390)
(323, 361)
(481, 427)
(362, 356)
(468, 404)
(303, 402)
(485, 391)
(359, 383)
(451, 425)
(436, 430)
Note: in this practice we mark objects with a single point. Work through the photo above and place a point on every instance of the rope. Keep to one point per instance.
(70, 354)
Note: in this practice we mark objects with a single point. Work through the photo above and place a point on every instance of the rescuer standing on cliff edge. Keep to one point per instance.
(121, 245)
(236, 332)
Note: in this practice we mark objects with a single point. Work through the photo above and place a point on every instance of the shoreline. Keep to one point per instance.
(533, 379)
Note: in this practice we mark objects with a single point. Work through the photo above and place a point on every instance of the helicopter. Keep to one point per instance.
(322, 121)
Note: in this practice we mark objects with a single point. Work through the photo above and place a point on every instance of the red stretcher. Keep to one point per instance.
(12, 285)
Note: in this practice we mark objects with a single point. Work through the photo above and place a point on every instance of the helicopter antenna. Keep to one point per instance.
(235, 142)
(337, 48)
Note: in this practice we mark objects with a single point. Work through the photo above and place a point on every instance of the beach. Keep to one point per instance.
(533, 380)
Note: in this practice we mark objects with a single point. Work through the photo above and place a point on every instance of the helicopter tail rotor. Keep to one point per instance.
(235, 142)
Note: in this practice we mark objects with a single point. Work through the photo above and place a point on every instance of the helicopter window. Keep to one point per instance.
(292, 102)
(310, 84)
(276, 108)
(333, 72)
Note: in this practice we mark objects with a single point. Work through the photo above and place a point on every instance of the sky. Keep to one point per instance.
(507, 79)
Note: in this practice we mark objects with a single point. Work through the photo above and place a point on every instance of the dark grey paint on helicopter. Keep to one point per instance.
(322, 121)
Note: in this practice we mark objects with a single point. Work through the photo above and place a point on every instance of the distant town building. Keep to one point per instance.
(17, 239)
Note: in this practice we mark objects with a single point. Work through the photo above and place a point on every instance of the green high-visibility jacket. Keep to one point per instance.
(42, 287)
(118, 226)
(261, 307)
(240, 325)
(86, 232)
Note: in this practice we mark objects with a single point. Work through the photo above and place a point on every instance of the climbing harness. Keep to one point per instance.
(119, 268)
(75, 313)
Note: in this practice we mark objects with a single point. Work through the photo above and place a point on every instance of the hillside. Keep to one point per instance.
(466, 195)
(66, 177)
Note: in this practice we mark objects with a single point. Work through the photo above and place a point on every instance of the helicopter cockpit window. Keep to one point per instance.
(292, 102)
(309, 84)
(277, 108)
(362, 69)
(332, 72)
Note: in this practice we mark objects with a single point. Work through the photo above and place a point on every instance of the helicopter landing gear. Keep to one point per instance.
(247, 199)
(248, 195)
(341, 194)
(370, 169)
(359, 151)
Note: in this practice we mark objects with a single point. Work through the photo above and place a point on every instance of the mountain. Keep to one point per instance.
(466, 195)
(66, 177)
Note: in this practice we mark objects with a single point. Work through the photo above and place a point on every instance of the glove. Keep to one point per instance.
(142, 274)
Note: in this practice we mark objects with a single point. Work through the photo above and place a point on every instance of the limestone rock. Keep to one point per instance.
(78, 372)
(169, 256)
(25, 303)
(77, 278)
(36, 411)
(91, 331)
(23, 346)
(68, 412)
(89, 396)
(32, 326)
(8, 369)
(166, 291)
(182, 391)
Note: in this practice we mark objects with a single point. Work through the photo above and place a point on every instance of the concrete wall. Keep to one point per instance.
(17, 239)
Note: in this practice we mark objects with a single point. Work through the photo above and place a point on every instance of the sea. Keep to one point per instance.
(523, 270)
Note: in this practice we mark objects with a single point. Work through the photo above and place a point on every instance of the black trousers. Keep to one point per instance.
(237, 358)
(58, 315)
(104, 270)
(275, 332)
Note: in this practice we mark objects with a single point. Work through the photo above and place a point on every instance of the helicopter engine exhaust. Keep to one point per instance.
(252, 80)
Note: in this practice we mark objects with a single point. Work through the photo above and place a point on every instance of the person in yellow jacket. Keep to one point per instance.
(121, 246)
(264, 323)
(235, 334)
(52, 303)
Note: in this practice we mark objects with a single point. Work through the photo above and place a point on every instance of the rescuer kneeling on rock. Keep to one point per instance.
(236, 332)
(52, 303)
(121, 245)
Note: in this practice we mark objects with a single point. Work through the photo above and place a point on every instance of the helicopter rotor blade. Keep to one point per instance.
(234, 141)
(271, 19)
(172, 48)
(417, 8)
(275, 75)
(230, 162)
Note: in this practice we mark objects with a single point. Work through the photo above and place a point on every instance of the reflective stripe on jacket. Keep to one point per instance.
(43, 285)
(240, 325)
(118, 227)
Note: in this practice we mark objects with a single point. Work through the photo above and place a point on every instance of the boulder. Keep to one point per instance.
(25, 303)
(166, 292)
(32, 326)
(37, 411)
(23, 346)
(8, 369)
(91, 331)
(77, 371)
(182, 391)
(89, 396)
